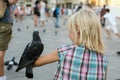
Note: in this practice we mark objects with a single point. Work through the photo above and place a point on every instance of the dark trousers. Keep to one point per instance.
(103, 22)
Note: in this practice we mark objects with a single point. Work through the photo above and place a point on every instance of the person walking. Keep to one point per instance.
(43, 15)
(102, 13)
(110, 24)
(79, 7)
(36, 12)
(56, 14)
(83, 59)
(5, 35)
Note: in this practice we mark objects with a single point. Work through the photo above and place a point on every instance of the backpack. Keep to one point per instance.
(3, 7)
(54, 13)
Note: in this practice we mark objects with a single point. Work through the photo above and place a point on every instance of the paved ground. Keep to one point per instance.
(51, 42)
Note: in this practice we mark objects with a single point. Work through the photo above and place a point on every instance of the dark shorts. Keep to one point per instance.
(5, 35)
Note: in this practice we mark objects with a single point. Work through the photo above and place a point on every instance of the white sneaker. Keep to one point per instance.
(3, 78)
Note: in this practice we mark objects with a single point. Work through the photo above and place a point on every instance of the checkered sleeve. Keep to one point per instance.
(61, 50)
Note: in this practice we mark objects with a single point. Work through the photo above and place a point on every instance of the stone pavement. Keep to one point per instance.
(51, 42)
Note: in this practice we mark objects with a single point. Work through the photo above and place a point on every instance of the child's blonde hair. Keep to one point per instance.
(87, 29)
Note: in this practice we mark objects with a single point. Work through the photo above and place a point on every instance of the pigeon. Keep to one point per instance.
(118, 52)
(11, 63)
(27, 27)
(19, 29)
(31, 53)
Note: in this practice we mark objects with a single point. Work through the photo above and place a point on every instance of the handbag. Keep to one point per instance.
(3, 7)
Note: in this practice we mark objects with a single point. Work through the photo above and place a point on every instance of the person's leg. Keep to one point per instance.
(103, 22)
(57, 22)
(43, 23)
(2, 53)
(42, 18)
(115, 30)
(108, 33)
(118, 35)
(35, 20)
(5, 37)
(43, 26)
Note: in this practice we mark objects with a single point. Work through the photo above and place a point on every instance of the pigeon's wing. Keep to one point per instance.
(6, 63)
(22, 61)
(40, 49)
(16, 64)
(36, 49)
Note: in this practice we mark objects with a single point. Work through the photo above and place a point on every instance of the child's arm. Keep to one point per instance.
(46, 59)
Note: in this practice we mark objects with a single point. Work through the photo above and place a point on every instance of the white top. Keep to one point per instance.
(43, 5)
(110, 19)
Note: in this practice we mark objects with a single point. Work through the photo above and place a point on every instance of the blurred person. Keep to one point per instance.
(47, 12)
(68, 12)
(62, 11)
(102, 13)
(16, 14)
(65, 15)
(84, 58)
(110, 23)
(79, 7)
(56, 14)
(5, 35)
(21, 13)
(13, 7)
(42, 13)
(36, 12)
(29, 10)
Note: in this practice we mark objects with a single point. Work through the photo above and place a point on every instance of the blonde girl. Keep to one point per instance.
(84, 59)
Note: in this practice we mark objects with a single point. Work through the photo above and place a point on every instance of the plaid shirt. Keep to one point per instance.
(78, 63)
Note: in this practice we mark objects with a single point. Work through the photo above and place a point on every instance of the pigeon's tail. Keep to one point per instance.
(19, 68)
